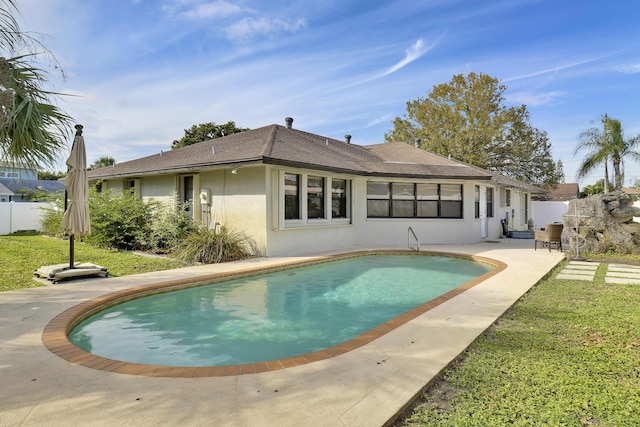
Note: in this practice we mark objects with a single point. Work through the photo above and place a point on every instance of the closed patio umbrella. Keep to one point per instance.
(76, 216)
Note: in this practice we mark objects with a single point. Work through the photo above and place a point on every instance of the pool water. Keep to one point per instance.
(270, 316)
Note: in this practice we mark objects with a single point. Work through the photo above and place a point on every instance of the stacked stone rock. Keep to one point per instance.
(604, 222)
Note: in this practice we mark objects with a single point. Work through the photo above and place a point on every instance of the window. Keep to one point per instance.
(187, 193)
(451, 201)
(507, 197)
(338, 198)
(409, 200)
(427, 200)
(310, 198)
(315, 197)
(378, 199)
(291, 196)
(403, 200)
(130, 185)
(489, 202)
(476, 201)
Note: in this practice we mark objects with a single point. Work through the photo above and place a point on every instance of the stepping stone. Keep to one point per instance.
(567, 276)
(578, 272)
(621, 281)
(627, 268)
(591, 266)
(623, 274)
(585, 263)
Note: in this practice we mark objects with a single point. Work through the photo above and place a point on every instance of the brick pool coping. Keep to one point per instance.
(55, 338)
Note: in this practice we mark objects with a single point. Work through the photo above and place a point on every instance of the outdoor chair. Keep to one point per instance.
(550, 236)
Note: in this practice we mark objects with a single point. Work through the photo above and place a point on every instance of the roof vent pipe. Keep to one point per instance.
(289, 122)
(418, 143)
(347, 139)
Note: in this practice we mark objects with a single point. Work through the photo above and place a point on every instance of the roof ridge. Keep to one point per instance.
(270, 141)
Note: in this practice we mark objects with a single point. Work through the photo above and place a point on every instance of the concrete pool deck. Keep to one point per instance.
(364, 387)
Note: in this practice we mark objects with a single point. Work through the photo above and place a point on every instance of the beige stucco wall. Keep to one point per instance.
(238, 201)
(160, 188)
(311, 237)
(394, 232)
(252, 201)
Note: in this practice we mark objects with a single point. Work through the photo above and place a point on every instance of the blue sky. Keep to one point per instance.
(142, 71)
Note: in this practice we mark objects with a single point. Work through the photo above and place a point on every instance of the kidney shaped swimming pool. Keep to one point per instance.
(273, 316)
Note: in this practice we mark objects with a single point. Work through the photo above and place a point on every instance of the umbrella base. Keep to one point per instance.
(58, 272)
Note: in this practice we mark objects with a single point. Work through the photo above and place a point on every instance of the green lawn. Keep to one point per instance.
(21, 255)
(566, 354)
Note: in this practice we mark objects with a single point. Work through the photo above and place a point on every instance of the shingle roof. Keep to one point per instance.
(4, 191)
(279, 145)
(562, 193)
(16, 185)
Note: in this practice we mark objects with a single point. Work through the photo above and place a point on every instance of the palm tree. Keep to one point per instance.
(32, 129)
(609, 144)
(102, 162)
(622, 148)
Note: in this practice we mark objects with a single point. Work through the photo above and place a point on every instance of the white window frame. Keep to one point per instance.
(304, 221)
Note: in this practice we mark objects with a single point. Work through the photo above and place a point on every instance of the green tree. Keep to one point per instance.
(102, 162)
(590, 190)
(32, 129)
(604, 146)
(205, 132)
(50, 176)
(467, 120)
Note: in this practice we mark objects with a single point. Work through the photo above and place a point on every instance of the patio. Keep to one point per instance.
(365, 387)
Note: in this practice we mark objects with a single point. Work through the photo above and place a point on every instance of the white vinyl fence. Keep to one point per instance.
(550, 212)
(544, 213)
(21, 216)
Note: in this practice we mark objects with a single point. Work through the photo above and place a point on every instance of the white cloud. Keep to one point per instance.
(238, 23)
(383, 119)
(216, 9)
(250, 27)
(535, 99)
(416, 51)
(630, 69)
(553, 69)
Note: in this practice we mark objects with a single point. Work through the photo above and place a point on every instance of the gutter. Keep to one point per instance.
(177, 169)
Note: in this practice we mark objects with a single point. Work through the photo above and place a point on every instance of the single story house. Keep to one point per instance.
(295, 192)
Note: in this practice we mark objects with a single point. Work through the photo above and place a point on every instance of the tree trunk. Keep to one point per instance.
(618, 174)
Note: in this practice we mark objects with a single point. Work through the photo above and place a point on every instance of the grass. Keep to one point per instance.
(566, 354)
(21, 255)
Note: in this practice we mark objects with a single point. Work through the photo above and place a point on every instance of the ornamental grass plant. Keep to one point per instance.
(210, 246)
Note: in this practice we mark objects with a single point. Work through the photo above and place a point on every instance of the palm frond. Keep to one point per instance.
(33, 131)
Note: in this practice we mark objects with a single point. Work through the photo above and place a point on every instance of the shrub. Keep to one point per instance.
(168, 227)
(120, 222)
(51, 219)
(208, 246)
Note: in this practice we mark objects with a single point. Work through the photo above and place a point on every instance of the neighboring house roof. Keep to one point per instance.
(631, 191)
(285, 146)
(562, 193)
(4, 191)
(15, 185)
